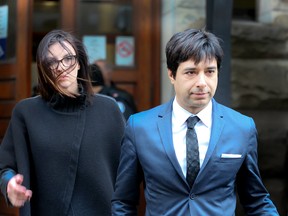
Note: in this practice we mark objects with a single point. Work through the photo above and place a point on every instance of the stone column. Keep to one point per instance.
(177, 15)
(218, 20)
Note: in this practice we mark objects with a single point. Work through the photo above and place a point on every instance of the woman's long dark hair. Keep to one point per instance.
(47, 85)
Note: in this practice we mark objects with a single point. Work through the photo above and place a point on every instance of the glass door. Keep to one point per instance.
(106, 28)
(126, 33)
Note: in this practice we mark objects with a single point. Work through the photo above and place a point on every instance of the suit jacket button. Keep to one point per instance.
(192, 196)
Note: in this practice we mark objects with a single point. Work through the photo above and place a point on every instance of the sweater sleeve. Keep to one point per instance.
(13, 141)
(5, 177)
(7, 162)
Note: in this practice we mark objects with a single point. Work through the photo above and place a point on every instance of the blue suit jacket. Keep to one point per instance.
(231, 162)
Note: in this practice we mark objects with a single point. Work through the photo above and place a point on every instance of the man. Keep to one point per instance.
(102, 84)
(224, 147)
(107, 71)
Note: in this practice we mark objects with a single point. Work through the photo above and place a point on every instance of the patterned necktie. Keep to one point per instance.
(192, 152)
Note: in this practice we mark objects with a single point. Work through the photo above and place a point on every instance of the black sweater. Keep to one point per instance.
(68, 152)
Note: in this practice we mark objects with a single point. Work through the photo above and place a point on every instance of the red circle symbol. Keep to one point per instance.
(124, 49)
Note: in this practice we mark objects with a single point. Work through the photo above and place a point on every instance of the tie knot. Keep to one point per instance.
(191, 121)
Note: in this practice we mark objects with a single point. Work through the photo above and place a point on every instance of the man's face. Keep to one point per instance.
(195, 85)
(106, 72)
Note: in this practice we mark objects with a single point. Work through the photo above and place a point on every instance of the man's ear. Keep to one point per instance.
(171, 77)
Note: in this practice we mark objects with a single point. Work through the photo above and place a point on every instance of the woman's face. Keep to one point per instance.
(64, 65)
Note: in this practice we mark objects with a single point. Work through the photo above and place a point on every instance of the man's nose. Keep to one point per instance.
(201, 79)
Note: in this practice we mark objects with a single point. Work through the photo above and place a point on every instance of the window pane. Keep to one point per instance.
(8, 21)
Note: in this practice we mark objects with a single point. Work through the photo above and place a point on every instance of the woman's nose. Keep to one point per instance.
(59, 66)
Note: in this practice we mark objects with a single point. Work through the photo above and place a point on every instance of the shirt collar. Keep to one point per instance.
(181, 114)
(206, 115)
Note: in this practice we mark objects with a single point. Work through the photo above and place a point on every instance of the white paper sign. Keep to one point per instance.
(96, 47)
(3, 21)
(125, 51)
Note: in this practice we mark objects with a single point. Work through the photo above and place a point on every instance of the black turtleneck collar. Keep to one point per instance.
(68, 104)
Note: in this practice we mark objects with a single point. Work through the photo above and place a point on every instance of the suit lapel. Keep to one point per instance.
(165, 132)
(217, 127)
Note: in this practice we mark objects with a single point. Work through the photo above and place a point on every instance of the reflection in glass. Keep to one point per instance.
(110, 19)
(104, 17)
(46, 17)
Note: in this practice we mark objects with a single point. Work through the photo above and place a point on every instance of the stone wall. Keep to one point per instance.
(259, 78)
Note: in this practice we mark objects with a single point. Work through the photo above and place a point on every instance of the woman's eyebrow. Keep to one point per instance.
(52, 58)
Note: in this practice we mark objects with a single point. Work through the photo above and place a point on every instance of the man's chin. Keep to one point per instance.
(201, 104)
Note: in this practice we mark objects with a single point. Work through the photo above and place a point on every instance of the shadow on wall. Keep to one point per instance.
(272, 129)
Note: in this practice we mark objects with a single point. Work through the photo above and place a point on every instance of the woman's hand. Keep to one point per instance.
(16, 192)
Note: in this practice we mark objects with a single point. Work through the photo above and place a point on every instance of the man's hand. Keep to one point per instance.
(17, 193)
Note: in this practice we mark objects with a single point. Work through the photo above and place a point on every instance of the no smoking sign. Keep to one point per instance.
(125, 51)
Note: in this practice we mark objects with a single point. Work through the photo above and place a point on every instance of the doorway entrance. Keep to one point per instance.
(129, 28)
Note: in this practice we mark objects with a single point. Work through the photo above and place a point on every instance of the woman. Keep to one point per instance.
(60, 153)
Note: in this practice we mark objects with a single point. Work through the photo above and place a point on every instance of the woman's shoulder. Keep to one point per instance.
(28, 103)
(104, 99)
(30, 100)
(105, 104)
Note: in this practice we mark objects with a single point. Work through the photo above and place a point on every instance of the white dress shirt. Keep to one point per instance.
(179, 128)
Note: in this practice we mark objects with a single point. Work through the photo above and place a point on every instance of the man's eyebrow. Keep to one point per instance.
(212, 67)
(189, 68)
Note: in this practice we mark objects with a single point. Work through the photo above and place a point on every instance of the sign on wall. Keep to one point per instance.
(3, 30)
(96, 47)
(125, 51)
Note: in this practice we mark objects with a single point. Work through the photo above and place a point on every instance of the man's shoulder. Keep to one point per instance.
(155, 112)
(231, 113)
